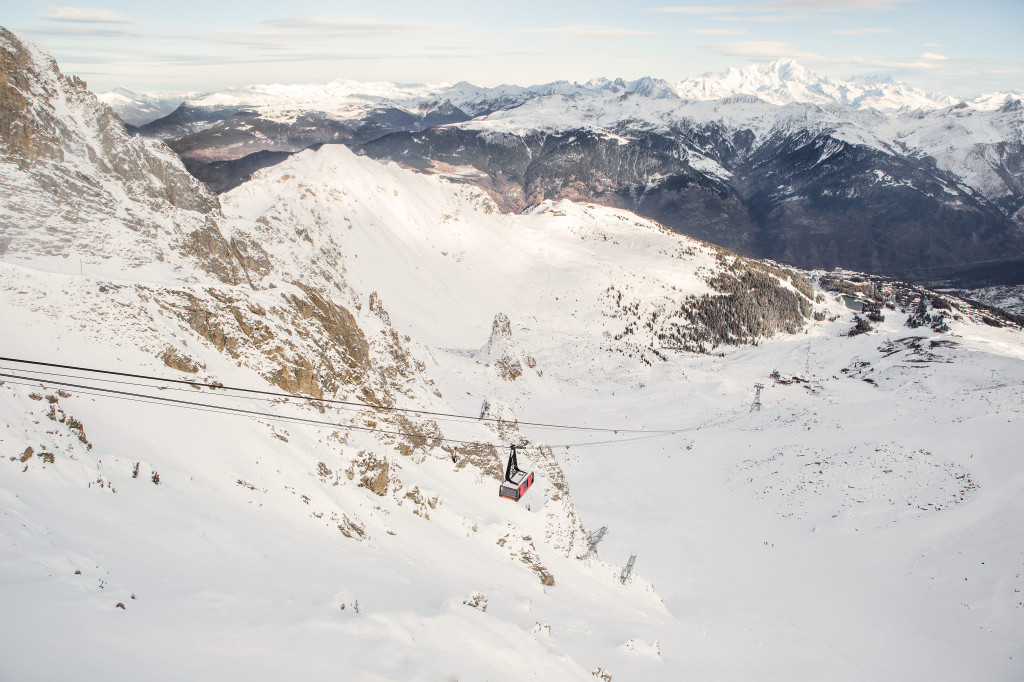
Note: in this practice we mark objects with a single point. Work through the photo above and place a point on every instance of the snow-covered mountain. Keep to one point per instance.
(806, 184)
(780, 82)
(784, 81)
(862, 524)
(772, 161)
(139, 108)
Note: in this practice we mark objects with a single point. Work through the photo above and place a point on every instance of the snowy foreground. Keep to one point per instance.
(866, 523)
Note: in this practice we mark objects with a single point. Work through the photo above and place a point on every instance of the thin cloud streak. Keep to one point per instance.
(300, 31)
(717, 31)
(829, 6)
(695, 10)
(764, 49)
(84, 15)
(86, 32)
(328, 26)
(785, 7)
(861, 31)
(588, 32)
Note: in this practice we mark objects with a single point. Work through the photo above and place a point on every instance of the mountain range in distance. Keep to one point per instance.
(772, 161)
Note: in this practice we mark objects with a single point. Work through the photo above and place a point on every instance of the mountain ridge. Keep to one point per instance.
(696, 165)
(780, 82)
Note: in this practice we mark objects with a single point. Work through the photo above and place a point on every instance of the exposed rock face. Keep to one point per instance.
(374, 473)
(481, 456)
(521, 547)
(183, 363)
(502, 353)
(22, 134)
(76, 183)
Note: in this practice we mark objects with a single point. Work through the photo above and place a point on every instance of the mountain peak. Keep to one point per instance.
(784, 81)
(789, 70)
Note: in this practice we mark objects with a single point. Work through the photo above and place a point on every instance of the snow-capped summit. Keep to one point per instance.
(653, 88)
(784, 80)
(996, 100)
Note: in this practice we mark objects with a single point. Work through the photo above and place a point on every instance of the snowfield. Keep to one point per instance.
(364, 342)
(848, 529)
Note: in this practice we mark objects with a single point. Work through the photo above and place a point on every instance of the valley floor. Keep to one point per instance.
(863, 524)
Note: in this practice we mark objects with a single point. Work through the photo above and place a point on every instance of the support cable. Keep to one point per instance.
(131, 396)
(333, 401)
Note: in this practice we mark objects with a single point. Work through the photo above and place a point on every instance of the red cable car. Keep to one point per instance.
(517, 481)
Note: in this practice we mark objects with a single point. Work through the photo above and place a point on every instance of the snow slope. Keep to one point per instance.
(824, 536)
(863, 524)
(848, 529)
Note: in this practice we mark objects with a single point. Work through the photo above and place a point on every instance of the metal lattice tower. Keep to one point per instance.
(595, 538)
(627, 569)
(756, 405)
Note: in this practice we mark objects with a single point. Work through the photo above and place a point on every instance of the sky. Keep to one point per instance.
(954, 47)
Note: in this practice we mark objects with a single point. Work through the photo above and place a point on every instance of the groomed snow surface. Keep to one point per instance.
(848, 530)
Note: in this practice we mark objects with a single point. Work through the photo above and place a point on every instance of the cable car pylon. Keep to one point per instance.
(627, 570)
(592, 540)
(756, 405)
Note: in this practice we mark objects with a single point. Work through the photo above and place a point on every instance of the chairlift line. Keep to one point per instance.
(332, 401)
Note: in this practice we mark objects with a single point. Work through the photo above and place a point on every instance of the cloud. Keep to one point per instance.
(87, 32)
(329, 26)
(696, 10)
(931, 56)
(84, 15)
(588, 32)
(860, 31)
(453, 46)
(831, 6)
(764, 49)
(718, 31)
(298, 32)
(787, 7)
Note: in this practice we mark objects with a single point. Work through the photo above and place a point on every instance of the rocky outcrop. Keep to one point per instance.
(25, 137)
(373, 472)
(503, 354)
(179, 361)
(77, 184)
(521, 547)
